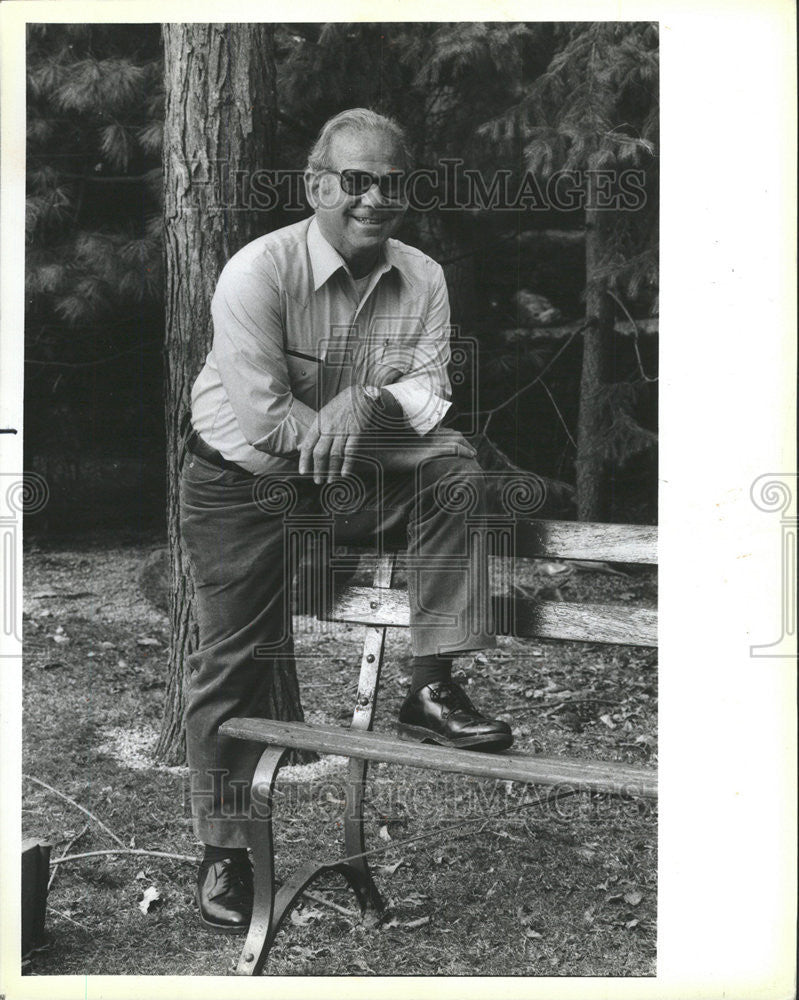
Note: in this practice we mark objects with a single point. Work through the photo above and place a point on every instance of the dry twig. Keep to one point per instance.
(77, 805)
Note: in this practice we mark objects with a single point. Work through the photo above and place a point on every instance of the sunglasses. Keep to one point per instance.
(358, 182)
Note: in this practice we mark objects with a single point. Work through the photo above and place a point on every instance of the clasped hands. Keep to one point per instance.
(337, 438)
(328, 448)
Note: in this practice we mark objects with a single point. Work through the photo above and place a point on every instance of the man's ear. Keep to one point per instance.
(312, 180)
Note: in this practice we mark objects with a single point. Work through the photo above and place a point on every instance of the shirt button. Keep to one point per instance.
(302, 372)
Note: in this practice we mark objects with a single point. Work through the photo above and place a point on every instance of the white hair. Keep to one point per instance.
(356, 120)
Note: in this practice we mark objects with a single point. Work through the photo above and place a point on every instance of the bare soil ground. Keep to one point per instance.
(503, 883)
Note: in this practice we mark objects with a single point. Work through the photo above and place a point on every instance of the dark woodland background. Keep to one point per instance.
(500, 96)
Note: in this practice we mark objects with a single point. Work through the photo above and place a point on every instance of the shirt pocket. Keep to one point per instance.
(303, 372)
(393, 342)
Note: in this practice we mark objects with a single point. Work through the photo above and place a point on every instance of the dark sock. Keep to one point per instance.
(429, 669)
(213, 853)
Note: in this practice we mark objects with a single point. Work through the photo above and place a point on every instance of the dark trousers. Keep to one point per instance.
(244, 533)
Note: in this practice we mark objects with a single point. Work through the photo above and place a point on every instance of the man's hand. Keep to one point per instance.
(328, 448)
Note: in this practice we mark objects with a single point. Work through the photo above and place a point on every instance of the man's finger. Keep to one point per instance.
(335, 462)
(320, 456)
(350, 454)
(306, 450)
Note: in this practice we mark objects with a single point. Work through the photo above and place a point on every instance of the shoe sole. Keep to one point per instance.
(418, 734)
(219, 928)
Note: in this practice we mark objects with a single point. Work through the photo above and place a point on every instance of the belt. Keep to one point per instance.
(198, 447)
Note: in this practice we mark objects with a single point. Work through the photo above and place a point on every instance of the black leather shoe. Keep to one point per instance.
(224, 894)
(442, 713)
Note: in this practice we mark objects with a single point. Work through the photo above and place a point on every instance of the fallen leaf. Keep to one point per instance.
(530, 933)
(632, 923)
(145, 641)
(390, 869)
(606, 719)
(302, 919)
(107, 645)
(150, 898)
(59, 638)
(140, 876)
(383, 833)
(633, 898)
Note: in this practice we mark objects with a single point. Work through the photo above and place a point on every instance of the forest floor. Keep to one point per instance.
(503, 883)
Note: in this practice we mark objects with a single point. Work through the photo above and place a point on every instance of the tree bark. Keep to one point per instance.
(221, 113)
(593, 477)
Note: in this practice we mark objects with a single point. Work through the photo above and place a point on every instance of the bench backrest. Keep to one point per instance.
(381, 606)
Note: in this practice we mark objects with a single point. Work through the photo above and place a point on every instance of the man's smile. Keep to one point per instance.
(371, 220)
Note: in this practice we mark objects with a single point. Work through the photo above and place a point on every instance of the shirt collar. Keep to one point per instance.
(326, 260)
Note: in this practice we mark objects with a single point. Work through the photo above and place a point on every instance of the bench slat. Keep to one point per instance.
(588, 775)
(523, 618)
(630, 543)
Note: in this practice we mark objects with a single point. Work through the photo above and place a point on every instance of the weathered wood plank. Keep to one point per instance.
(589, 540)
(514, 616)
(583, 622)
(630, 543)
(602, 776)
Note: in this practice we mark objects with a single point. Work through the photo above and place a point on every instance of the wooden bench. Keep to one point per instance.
(380, 607)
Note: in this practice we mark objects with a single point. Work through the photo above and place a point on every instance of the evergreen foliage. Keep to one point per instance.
(596, 108)
(93, 255)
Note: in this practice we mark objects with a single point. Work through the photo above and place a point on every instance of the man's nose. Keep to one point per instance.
(375, 198)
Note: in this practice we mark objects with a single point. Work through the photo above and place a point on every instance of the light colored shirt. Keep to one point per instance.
(291, 331)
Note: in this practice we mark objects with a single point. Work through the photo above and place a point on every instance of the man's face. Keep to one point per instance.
(356, 225)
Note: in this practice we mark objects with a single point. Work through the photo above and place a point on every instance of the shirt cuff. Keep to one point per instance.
(284, 440)
(423, 409)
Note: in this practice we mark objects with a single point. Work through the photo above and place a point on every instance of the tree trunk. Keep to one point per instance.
(219, 127)
(593, 477)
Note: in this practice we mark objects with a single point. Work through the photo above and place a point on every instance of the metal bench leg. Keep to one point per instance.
(354, 840)
(262, 929)
(368, 684)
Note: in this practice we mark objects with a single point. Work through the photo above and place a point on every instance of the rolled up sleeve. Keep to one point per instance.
(248, 348)
(424, 390)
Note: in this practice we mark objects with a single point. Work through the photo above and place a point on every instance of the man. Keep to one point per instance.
(329, 358)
